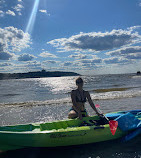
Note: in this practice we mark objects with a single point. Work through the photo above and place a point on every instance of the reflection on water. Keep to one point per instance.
(43, 112)
(52, 88)
(35, 89)
(63, 84)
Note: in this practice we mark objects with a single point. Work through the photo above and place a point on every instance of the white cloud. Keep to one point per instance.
(29, 65)
(134, 56)
(6, 55)
(12, 10)
(125, 51)
(46, 55)
(18, 8)
(133, 28)
(82, 64)
(26, 66)
(44, 11)
(32, 64)
(50, 62)
(9, 12)
(87, 61)
(26, 57)
(88, 64)
(7, 67)
(86, 58)
(1, 13)
(5, 64)
(116, 60)
(91, 62)
(13, 39)
(67, 63)
(96, 41)
(96, 59)
(78, 56)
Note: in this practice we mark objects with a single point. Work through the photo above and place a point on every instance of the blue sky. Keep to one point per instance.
(88, 37)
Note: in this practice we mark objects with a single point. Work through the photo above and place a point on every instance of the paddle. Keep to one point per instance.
(112, 123)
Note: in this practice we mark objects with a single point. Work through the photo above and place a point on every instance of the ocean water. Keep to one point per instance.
(31, 100)
(58, 88)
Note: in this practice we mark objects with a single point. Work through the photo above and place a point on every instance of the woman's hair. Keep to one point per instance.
(79, 80)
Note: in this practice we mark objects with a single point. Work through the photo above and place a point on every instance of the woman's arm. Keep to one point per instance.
(91, 103)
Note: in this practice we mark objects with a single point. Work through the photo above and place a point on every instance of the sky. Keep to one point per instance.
(84, 36)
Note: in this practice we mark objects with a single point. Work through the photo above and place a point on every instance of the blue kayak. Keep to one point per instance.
(128, 121)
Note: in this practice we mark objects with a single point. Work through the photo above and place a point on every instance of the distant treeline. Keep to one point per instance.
(38, 74)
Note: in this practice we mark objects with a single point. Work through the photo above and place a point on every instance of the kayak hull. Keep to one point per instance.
(56, 138)
(55, 134)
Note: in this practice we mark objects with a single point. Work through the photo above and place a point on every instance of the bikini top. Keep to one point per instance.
(80, 98)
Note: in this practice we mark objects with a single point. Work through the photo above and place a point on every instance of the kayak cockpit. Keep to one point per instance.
(65, 124)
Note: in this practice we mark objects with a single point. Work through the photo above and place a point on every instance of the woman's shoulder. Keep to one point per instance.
(86, 92)
(74, 91)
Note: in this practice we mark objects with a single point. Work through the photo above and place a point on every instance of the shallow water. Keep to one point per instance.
(55, 88)
(47, 99)
(22, 114)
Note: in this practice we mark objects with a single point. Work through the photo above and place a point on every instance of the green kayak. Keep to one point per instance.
(58, 133)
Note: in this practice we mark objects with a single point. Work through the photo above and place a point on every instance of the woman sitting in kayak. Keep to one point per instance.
(79, 97)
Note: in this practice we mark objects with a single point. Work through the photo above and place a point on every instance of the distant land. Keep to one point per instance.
(37, 74)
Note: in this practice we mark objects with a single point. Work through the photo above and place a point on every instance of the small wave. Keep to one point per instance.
(139, 76)
(67, 101)
(9, 95)
(116, 95)
(38, 103)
